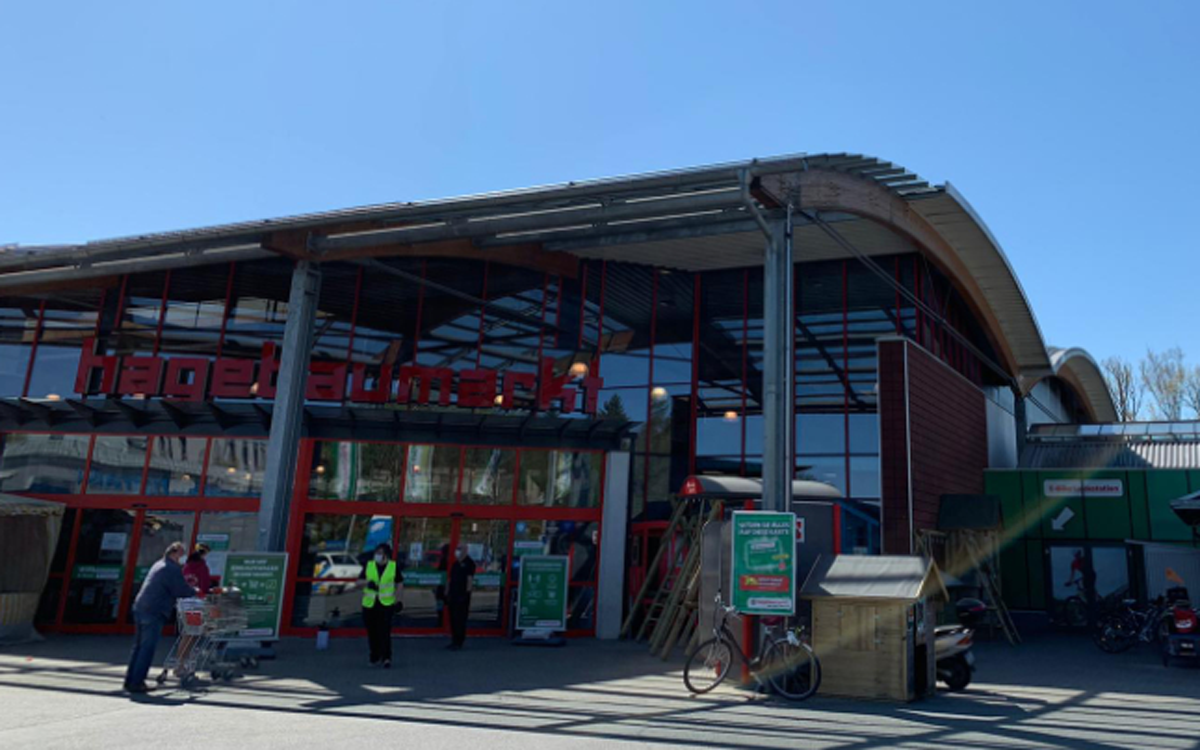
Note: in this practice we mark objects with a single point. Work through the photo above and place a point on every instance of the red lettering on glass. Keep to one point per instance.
(233, 378)
(186, 379)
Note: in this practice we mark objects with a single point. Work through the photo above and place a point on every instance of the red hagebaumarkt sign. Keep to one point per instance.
(200, 378)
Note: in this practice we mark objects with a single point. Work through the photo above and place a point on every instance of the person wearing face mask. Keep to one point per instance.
(164, 584)
(458, 596)
(379, 604)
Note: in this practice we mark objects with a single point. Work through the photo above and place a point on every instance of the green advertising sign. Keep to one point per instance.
(542, 593)
(764, 563)
(260, 577)
(98, 572)
(424, 577)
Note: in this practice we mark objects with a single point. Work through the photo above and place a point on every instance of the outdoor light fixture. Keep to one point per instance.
(249, 476)
(499, 401)
(254, 389)
(579, 370)
(186, 477)
(320, 469)
(53, 397)
(231, 470)
(416, 468)
(731, 416)
(658, 393)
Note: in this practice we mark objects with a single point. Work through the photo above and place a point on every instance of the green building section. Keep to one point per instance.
(1040, 510)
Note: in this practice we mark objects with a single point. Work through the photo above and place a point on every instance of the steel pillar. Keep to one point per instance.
(779, 394)
(287, 417)
(1021, 418)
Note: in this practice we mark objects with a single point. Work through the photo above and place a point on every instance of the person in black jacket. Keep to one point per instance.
(152, 609)
(458, 596)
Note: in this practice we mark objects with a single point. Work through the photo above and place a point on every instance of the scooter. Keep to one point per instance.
(952, 645)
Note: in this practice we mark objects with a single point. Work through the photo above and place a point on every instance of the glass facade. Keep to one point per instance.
(680, 355)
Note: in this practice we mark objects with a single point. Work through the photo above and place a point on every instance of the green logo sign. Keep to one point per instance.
(260, 576)
(98, 572)
(764, 563)
(542, 592)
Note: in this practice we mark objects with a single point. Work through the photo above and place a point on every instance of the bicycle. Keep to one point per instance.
(1120, 631)
(787, 664)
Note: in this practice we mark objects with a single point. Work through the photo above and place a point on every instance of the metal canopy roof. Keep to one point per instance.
(691, 219)
(874, 577)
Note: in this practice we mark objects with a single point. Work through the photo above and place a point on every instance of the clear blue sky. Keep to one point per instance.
(1070, 126)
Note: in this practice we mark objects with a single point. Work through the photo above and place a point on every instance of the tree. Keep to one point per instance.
(1191, 390)
(614, 408)
(1127, 391)
(1164, 377)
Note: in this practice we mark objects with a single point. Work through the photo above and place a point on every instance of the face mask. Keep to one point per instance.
(379, 558)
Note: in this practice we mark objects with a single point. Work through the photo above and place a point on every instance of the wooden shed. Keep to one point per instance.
(873, 619)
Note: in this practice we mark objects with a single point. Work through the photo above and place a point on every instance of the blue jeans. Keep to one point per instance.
(147, 629)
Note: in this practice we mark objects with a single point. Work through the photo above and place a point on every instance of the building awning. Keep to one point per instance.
(874, 577)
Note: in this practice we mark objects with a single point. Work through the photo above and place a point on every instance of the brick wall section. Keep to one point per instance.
(949, 439)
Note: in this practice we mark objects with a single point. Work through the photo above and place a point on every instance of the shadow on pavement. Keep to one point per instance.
(1054, 692)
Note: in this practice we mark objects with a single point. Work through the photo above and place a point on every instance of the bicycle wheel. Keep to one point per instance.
(792, 670)
(1114, 634)
(708, 665)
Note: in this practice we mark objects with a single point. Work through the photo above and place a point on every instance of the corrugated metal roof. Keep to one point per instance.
(1108, 455)
(872, 577)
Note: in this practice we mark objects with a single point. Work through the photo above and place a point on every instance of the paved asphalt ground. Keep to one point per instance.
(1052, 692)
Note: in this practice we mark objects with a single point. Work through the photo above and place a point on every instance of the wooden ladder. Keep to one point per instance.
(987, 577)
(678, 517)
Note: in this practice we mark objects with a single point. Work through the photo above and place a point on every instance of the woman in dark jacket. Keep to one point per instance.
(196, 571)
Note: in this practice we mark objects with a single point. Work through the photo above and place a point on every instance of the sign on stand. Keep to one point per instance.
(763, 565)
(542, 595)
(260, 577)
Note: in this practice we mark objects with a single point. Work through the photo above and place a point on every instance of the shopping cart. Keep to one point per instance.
(206, 626)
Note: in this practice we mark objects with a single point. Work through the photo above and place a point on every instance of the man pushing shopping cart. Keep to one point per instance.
(152, 609)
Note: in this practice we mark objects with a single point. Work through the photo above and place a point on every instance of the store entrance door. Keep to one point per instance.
(425, 553)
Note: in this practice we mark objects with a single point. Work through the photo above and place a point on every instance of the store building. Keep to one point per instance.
(533, 370)
(1092, 503)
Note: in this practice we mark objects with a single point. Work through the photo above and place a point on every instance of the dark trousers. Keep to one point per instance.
(146, 632)
(378, 620)
(459, 608)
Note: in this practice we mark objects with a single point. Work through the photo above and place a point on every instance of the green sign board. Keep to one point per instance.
(764, 562)
(542, 593)
(488, 580)
(98, 572)
(260, 577)
(424, 577)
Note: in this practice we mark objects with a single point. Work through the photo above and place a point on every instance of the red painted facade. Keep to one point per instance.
(933, 439)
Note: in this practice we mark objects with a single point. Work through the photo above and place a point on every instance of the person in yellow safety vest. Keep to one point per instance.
(379, 603)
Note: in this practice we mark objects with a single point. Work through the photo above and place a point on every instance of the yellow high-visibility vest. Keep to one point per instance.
(386, 585)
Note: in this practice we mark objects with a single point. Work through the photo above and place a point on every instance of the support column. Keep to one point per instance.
(1021, 418)
(614, 530)
(779, 394)
(287, 417)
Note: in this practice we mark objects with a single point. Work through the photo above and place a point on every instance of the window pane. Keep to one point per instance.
(487, 545)
(235, 468)
(45, 464)
(423, 555)
(577, 539)
(160, 528)
(821, 433)
(64, 541)
(335, 546)
(864, 433)
(719, 436)
(99, 571)
(828, 469)
(488, 475)
(560, 479)
(225, 533)
(864, 476)
(334, 605)
(70, 318)
(176, 465)
(18, 323)
(432, 475)
(356, 471)
(117, 465)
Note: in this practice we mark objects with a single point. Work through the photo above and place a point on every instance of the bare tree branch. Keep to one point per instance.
(1191, 390)
(1126, 390)
(1164, 376)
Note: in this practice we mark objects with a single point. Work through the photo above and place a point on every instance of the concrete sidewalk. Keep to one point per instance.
(1053, 692)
